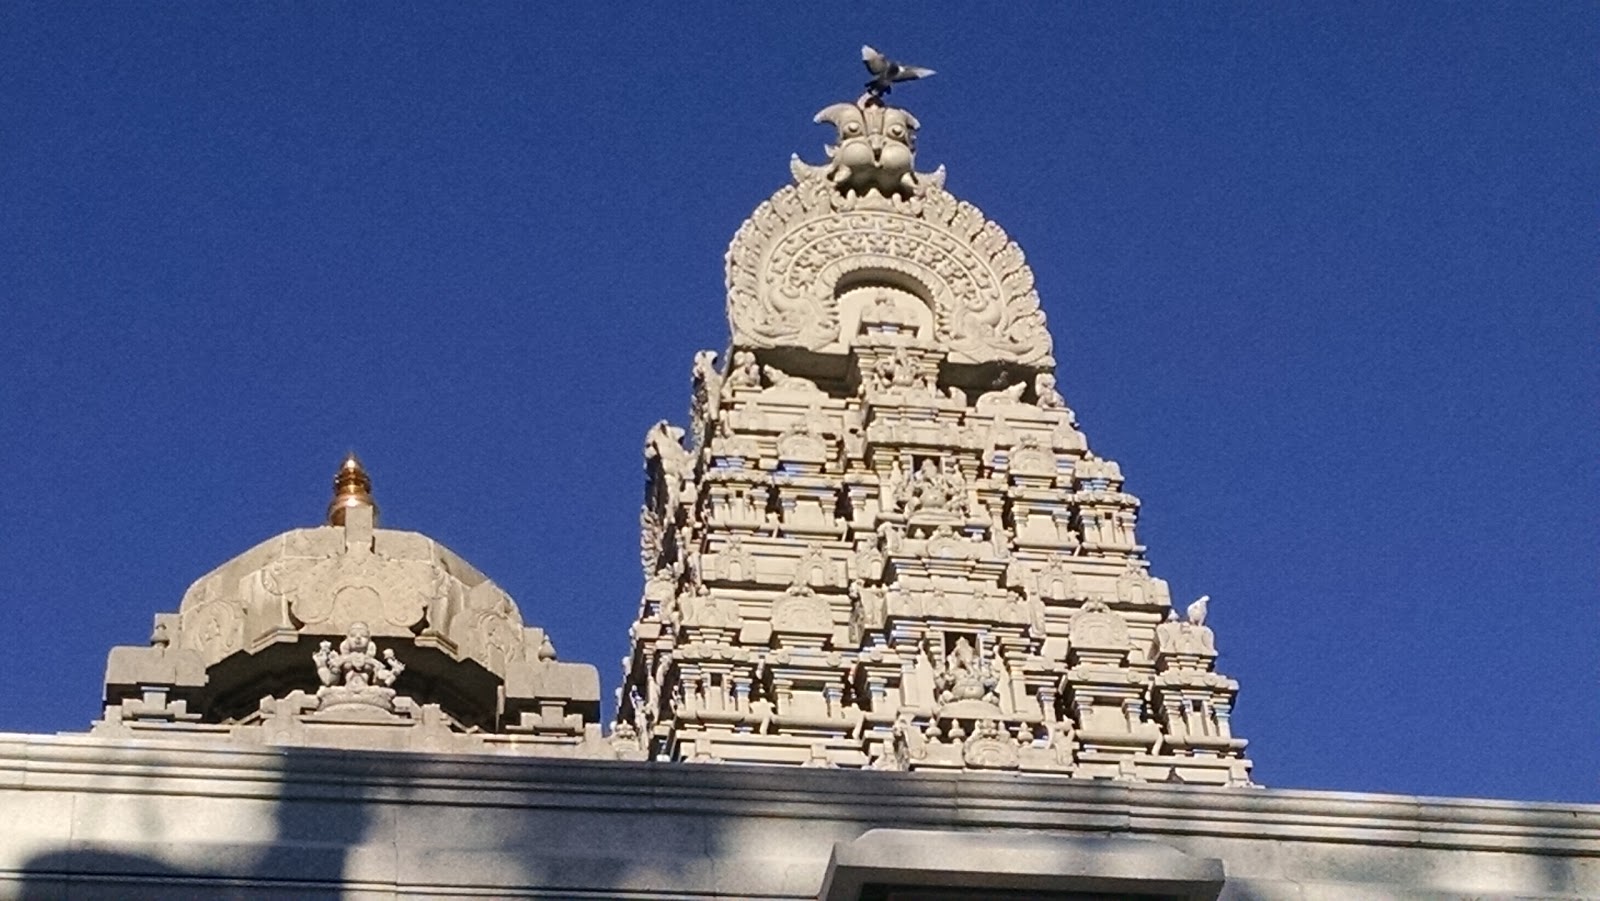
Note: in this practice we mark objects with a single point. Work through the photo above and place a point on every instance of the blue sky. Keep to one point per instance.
(1323, 280)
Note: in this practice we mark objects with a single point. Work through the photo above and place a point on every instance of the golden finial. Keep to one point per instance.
(352, 487)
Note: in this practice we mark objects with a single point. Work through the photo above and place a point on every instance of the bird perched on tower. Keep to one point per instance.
(887, 72)
(1196, 613)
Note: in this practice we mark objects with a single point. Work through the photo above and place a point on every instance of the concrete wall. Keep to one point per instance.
(91, 818)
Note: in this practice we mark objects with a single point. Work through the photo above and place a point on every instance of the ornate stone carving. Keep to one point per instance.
(801, 609)
(876, 150)
(1096, 626)
(356, 673)
(980, 547)
(1175, 636)
(1046, 395)
(990, 748)
(1030, 458)
(800, 441)
(392, 594)
(214, 628)
(1001, 397)
(779, 381)
(1137, 587)
(664, 442)
(937, 488)
(966, 675)
(247, 629)
(793, 258)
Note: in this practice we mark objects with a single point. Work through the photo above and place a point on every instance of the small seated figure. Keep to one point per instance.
(357, 672)
(743, 372)
(966, 675)
(1049, 397)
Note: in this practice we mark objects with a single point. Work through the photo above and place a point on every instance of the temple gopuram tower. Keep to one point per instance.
(883, 541)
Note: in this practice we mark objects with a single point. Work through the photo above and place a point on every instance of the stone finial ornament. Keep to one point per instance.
(864, 245)
(876, 149)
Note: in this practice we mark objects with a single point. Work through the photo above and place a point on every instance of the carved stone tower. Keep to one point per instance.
(887, 544)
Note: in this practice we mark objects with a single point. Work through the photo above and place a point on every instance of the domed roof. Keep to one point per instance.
(252, 629)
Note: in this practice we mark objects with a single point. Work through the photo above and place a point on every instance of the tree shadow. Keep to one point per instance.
(316, 813)
(337, 824)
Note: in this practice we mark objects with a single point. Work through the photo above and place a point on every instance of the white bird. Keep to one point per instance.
(1197, 611)
(885, 71)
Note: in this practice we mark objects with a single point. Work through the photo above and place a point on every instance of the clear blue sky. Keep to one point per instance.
(1323, 280)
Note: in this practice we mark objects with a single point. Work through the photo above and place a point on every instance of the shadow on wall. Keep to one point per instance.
(290, 838)
(331, 824)
(336, 824)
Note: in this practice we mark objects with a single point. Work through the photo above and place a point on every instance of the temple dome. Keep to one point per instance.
(264, 624)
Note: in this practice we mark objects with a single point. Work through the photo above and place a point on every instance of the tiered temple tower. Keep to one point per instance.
(886, 543)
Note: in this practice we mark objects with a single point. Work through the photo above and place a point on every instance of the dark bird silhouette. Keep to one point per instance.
(886, 72)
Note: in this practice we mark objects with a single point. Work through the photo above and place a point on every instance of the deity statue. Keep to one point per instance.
(896, 492)
(966, 675)
(955, 486)
(937, 488)
(356, 672)
(743, 372)
(1048, 397)
(928, 489)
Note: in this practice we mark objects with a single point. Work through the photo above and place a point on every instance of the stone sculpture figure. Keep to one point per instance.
(783, 381)
(955, 485)
(1002, 397)
(356, 673)
(706, 384)
(896, 490)
(928, 489)
(966, 676)
(743, 372)
(876, 149)
(937, 488)
(665, 441)
(1049, 397)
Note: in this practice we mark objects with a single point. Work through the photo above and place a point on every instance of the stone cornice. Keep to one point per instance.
(904, 800)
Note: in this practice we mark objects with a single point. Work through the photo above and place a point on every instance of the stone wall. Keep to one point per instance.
(94, 818)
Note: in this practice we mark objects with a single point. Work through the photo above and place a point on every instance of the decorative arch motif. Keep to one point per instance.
(787, 259)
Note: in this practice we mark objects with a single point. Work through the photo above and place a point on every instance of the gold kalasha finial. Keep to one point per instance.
(352, 487)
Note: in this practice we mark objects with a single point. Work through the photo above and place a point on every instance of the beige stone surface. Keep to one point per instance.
(116, 818)
(883, 540)
(350, 635)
